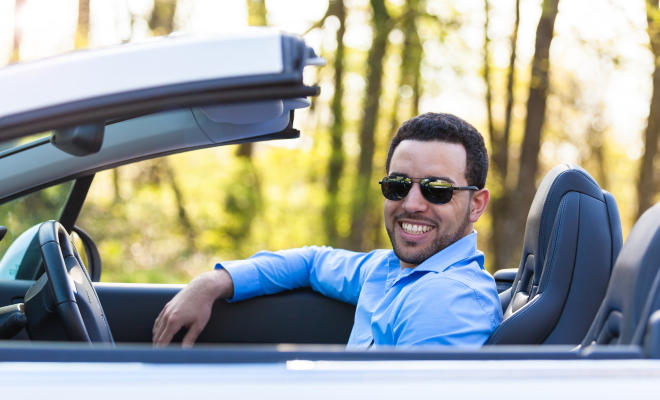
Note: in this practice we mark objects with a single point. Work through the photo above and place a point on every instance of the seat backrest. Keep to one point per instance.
(633, 293)
(572, 237)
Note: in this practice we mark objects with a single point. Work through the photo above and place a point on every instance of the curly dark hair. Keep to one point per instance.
(451, 129)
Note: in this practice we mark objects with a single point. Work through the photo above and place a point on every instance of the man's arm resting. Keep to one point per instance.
(191, 307)
(334, 273)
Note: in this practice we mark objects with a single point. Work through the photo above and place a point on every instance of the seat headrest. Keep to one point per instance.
(560, 180)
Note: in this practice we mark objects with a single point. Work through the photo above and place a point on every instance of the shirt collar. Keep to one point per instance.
(462, 249)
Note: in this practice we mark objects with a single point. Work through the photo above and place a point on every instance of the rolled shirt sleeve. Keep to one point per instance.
(335, 273)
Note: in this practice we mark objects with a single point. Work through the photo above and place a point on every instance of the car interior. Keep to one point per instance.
(572, 240)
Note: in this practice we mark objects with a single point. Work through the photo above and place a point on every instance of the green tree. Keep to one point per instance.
(381, 24)
(82, 27)
(337, 157)
(648, 184)
(161, 20)
(18, 31)
(508, 220)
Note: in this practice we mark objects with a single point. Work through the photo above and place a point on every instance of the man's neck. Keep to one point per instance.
(405, 265)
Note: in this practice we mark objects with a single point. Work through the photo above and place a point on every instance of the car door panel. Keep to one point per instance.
(299, 316)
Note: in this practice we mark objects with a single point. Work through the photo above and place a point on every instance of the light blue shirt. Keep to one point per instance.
(449, 299)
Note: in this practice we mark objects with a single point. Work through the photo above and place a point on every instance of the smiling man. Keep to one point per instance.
(430, 289)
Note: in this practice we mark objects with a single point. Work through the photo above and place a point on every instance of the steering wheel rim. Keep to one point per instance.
(61, 260)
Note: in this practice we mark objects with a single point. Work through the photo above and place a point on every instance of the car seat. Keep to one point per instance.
(572, 237)
(634, 290)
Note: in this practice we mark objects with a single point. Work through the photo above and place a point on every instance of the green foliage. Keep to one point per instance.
(140, 234)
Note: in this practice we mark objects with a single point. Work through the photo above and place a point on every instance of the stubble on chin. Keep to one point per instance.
(415, 255)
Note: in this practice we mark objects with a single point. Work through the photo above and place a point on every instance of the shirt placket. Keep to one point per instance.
(394, 275)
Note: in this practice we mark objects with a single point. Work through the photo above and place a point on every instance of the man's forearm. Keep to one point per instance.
(220, 283)
(333, 272)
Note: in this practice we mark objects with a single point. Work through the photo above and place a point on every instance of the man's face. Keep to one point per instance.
(419, 229)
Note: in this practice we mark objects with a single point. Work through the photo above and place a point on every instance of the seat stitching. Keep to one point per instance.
(544, 215)
(518, 314)
(550, 263)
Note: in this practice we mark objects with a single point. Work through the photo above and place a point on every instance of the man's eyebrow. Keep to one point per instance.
(439, 178)
(443, 178)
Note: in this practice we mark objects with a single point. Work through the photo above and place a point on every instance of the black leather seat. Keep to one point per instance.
(634, 290)
(572, 238)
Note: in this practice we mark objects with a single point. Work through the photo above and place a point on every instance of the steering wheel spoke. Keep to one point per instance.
(64, 302)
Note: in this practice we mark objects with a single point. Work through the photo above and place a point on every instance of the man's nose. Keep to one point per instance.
(415, 201)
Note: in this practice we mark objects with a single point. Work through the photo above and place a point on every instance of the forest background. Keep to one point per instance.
(545, 81)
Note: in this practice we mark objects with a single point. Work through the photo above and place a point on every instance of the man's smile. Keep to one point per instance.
(415, 229)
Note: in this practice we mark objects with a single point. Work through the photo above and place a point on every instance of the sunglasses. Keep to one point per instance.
(436, 191)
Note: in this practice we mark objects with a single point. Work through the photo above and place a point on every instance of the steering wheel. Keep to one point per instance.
(71, 297)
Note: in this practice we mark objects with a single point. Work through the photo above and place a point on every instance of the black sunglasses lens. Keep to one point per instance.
(437, 195)
(434, 191)
(394, 189)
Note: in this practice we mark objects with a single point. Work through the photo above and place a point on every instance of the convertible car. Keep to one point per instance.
(580, 310)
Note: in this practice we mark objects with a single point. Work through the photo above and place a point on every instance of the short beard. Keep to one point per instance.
(437, 245)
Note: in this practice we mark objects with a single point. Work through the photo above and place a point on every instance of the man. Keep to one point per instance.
(431, 289)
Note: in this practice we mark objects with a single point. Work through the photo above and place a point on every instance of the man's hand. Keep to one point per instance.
(191, 307)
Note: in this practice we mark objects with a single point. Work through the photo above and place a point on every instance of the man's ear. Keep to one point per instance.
(478, 202)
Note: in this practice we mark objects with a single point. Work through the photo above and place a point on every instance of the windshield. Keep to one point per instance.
(21, 217)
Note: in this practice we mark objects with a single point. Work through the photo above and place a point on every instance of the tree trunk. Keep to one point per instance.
(500, 206)
(257, 13)
(337, 158)
(412, 54)
(538, 93)
(489, 91)
(647, 187)
(510, 213)
(410, 71)
(502, 154)
(182, 215)
(18, 32)
(500, 138)
(115, 185)
(82, 29)
(161, 20)
(361, 204)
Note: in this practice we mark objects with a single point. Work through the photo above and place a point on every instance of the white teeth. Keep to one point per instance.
(415, 229)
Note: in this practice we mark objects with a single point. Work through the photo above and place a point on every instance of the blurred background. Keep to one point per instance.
(545, 81)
